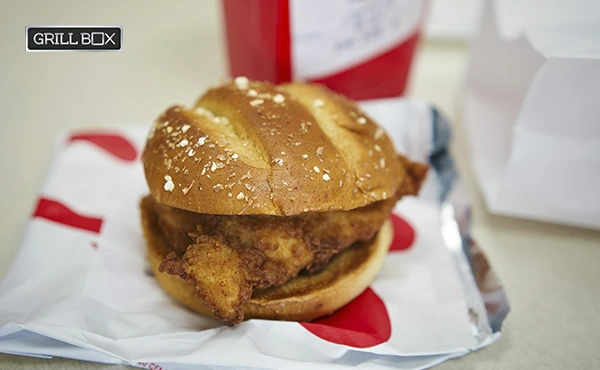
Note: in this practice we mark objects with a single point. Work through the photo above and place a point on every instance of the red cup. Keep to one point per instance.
(361, 49)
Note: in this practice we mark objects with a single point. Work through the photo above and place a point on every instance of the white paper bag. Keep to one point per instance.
(531, 110)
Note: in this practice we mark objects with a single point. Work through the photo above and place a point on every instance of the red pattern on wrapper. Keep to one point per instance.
(114, 144)
(151, 366)
(55, 211)
(362, 323)
(404, 234)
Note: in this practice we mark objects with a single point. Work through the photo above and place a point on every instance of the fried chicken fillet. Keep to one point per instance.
(227, 257)
(275, 211)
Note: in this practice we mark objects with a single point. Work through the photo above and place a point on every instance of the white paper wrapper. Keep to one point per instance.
(80, 288)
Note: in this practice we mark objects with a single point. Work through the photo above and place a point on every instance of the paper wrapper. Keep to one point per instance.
(80, 285)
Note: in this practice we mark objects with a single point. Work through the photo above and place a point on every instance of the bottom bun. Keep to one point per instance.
(303, 298)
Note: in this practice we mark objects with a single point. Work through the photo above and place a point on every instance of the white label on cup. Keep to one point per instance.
(330, 36)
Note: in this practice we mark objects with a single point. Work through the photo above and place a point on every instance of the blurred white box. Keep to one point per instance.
(532, 110)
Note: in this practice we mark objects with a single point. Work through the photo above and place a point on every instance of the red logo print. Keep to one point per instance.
(404, 234)
(362, 323)
(116, 145)
(55, 211)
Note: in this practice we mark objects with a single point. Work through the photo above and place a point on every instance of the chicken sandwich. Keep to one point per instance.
(270, 201)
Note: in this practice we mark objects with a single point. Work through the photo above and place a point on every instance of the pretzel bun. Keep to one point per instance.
(303, 298)
(251, 147)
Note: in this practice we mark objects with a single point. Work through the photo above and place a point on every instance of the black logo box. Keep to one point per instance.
(73, 38)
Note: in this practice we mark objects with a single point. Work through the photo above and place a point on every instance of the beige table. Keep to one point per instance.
(173, 51)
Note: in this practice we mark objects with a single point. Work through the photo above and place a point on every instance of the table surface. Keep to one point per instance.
(172, 52)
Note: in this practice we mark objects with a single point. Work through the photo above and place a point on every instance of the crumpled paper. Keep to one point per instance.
(531, 111)
(80, 286)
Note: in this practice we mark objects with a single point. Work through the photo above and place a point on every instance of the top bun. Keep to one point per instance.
(251, 147)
